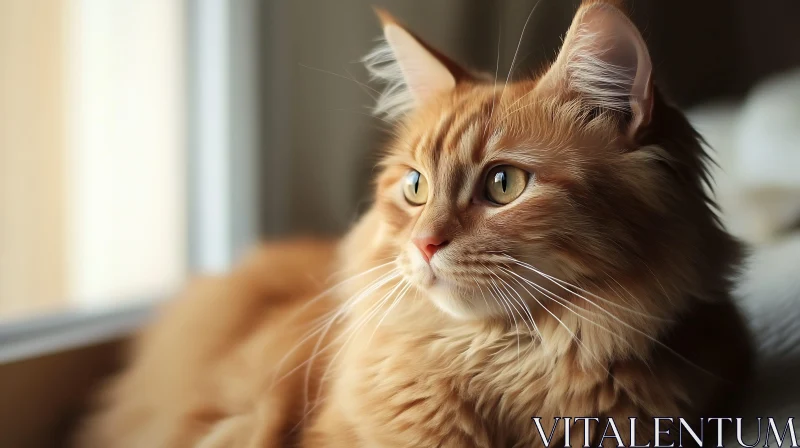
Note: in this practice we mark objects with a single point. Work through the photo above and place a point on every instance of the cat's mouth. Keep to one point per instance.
(447, 293)
(424, 276)
(416, 269)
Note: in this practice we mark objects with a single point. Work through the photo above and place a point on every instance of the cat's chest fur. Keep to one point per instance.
(462, 386)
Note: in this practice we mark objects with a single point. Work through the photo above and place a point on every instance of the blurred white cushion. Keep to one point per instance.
(756, 144)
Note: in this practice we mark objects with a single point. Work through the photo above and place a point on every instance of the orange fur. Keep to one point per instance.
(603, 290)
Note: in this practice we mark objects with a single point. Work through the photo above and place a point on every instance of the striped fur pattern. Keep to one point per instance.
(602, 290)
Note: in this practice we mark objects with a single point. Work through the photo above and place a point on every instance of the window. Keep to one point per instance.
(120, 125)
(93, 156)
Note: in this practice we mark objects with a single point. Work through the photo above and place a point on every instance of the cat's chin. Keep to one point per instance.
(456, 304)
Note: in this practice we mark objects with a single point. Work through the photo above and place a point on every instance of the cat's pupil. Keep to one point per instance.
(501, 178)
(415, 179)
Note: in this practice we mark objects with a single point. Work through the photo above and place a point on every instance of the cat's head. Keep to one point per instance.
(582, 173)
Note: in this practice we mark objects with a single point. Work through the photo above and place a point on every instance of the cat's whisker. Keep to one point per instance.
(357, 295)
(516, 311)
(364, 86)
(497, 301)
(488, 307)
(350, 303)
(561, 301)
(561, 284)
(534, 332)
(362, 293)
(496, 72)
(513, 111)
(307, 413)
(349, 331)
(328, 323)
(580, 343)
(333, 288)
(397, 300)
(490, 290)
(655, 277)
(521, 302)
(324, 331)
(541, 305)
(541, 336)
(522, 305)
(355, 328)
(551, 314)
(511, 313)
(370, 311)
(516, 52)
(389, 123)
(352, 330)
(572, 334)
(620, 295)
(382, 262)
(315, 351)
(359, 83)
(625, 324)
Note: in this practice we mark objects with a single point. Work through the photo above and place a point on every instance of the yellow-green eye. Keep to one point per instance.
(505, 183)
(415, 188)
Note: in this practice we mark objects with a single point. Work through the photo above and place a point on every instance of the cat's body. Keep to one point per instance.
(538, 249)
(207, 371)
(208, 363)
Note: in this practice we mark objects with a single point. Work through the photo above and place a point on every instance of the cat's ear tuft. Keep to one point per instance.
(412, 71)
(605, 61)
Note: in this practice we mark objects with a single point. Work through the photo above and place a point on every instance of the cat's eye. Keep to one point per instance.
(415, 188)
(505, 183)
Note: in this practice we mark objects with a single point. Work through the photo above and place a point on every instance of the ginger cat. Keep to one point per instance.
(538, 248)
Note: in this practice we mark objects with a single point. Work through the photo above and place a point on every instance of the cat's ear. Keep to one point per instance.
(605, 61)
(412, 71)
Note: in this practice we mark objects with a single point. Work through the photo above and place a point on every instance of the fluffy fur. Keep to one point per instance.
(395, 99)
(602, 290)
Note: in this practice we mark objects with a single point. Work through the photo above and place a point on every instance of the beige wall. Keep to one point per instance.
(32, 144)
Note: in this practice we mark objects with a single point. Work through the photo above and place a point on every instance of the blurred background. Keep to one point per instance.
(144, 141)
(141, 141)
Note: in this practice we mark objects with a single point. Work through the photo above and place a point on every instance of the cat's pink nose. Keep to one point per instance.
(429, 245)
